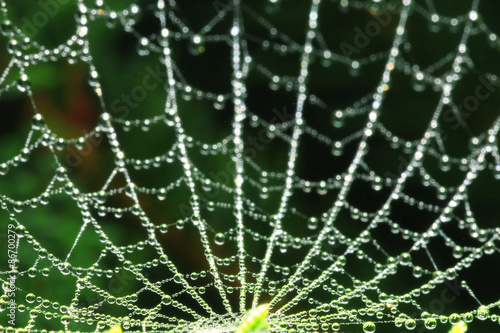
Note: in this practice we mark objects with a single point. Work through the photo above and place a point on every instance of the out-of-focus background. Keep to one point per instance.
(133, 90)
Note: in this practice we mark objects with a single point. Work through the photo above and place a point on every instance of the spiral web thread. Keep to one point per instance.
(305, 265)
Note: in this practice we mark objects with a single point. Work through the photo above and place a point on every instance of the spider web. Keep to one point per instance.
(335, 159)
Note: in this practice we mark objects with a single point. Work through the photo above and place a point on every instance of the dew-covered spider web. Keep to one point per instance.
(169, 165)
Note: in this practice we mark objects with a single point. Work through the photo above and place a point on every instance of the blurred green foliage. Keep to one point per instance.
(71, 109)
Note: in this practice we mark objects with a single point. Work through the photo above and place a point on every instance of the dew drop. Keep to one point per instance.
(178, 277)
(377, 183)
(264, 193)
(445, 163)
(354, 71)
(18, 207)
(163, 259)
(322, 188)
(454, 318)
(405, 259)
(6, 28)
(442, 192)
(30, 298)
(161, 194)
(483, 312)
(38, 122)
(32, 272)
(196, 46)
(180, 224)
(220, 102)
(369, 327)
(337, 148)
(219, 238)
(65, 268)
(4, 168)
(112, 20)
(418, 82)
(417, 271)
(23, 83)
(410, 324)
(143, 46)
(42, 253)
(166, 299)
(163, 228)
(338, 117)
(312, 223)
(3, 305)
(430, 323)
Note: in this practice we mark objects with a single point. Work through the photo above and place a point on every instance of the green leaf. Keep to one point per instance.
(255, 320)
(460, 327)
(115, 329)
